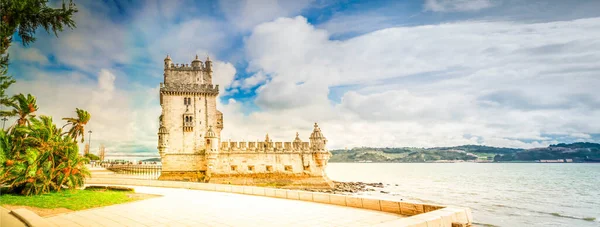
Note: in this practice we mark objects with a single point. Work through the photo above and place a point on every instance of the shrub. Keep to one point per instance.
(37, 158)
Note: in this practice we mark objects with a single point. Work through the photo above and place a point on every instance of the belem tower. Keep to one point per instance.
(191, 149)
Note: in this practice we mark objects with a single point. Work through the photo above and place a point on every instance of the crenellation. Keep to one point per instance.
(190, 142)
(305, 146)
(261, 146)
(224, 145)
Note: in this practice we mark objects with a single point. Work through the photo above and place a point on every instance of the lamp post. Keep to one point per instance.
(90, 141)
(4, 119)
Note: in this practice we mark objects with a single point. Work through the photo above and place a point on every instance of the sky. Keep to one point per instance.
(415, 73)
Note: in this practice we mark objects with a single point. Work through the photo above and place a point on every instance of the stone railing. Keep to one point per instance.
(140, 171)
(413, 214)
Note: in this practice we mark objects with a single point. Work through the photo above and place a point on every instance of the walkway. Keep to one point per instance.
(184, 207)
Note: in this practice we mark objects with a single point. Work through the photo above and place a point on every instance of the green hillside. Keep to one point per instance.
(577, 151)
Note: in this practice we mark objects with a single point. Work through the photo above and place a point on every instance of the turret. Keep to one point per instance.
(196, 62)
(212, 142)
(163, 139)
(317, 145)
(297, 141)
(168, 62)
(317, 140)
(208, 65)
(212, 150)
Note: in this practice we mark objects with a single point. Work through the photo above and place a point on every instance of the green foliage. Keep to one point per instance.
(5, 82)
(91, 156)
(23, 18)
(23, 107)
(575, 151)
(403, 154)
(37, 158)
(151, 160)
(483, 149)
(78, 124)
(577, 145)
(70, 199)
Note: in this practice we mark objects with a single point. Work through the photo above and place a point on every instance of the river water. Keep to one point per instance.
(499, 194)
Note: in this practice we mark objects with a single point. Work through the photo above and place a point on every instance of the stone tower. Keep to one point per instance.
(189, 107)
(191, 148)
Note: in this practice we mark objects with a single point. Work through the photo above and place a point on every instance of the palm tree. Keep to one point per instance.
(23, 107)
(44, 161)
(6, 157)
(78, 124)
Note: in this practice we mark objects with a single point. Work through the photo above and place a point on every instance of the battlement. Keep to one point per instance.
(196, 65)
(189, 89)
(261, 146)
(187, 67)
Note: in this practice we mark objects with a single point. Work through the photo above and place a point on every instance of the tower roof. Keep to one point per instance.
(197, 59)
(168, 57)
(297, 139)
(316, 134)
(162, 130)
(210, 133)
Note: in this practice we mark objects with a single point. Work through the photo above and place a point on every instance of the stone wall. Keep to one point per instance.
(186, 75)
(183, 162)
(181, 141)
(251, 163)
(285, 169)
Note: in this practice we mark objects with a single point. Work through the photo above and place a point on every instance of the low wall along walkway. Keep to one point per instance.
(419, 215)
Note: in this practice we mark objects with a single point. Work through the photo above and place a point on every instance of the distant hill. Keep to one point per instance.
(575, 151)
(151, 160)
(579, 152)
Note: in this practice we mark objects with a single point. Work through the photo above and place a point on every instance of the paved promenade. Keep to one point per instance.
(184, 207)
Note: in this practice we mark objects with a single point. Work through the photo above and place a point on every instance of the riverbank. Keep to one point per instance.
(349, 188)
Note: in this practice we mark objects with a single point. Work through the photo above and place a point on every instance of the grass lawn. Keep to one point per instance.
(70, 199)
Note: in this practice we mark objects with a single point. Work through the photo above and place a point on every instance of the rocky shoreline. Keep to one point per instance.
(348, 187)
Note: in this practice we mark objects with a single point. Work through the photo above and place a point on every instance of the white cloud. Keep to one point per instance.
(252, 81)
(502, 83)
(457, 5)
(106, 81)
(224, 72)
(497, 82)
